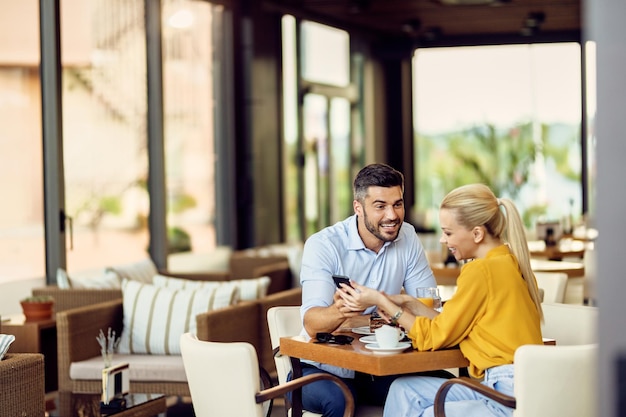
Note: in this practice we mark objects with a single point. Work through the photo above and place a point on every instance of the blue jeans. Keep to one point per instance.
(326, 398)
(414, 396)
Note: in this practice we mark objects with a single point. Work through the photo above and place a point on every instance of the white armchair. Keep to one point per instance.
(549, 381)
(224, 379)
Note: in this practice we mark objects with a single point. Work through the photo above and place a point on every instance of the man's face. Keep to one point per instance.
(382, 212)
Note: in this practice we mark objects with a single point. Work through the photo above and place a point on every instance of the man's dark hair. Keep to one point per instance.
(376, 175)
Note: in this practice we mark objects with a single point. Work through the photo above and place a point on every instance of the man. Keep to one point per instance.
(375, 248)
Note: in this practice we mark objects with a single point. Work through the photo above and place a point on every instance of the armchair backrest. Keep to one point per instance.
(223, 377)
(283, 321)
(553, 284)
(556, 381)
(570, 324)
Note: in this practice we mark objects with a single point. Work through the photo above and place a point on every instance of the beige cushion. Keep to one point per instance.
(141, 271)
(156, 317)
(142, 368)
(94, 278)
(249, 289)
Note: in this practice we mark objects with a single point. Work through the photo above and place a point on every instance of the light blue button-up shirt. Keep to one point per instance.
(339, 250)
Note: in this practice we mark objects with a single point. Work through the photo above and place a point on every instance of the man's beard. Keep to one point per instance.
(376, 232)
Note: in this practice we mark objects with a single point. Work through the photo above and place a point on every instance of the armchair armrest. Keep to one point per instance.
(279, 274)
(66, 299)
(236, 323)
(490, 393)
(282, 389)
(77, 330)
(22, 385)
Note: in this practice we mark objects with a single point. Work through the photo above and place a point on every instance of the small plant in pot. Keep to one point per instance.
(37, 307)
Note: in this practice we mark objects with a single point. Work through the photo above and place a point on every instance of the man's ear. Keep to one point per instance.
(358, 208)
(478, 233)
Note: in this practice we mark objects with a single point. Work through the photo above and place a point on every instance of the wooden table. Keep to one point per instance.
(566, 248)
(356, 357)
(572, 269)
(448, 275)
(39, 336)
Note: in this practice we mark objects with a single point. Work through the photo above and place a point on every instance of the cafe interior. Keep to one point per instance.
(189, 144)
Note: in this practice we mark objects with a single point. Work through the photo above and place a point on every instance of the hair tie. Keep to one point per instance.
(498, 201)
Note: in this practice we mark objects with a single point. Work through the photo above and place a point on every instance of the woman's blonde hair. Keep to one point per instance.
(476, 205)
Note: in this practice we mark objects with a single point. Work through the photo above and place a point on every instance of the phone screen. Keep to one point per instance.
(341, 279)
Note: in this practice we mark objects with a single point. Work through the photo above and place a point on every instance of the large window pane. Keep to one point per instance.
(21, 170)
(189, 139)
(508, 116)
(325, 54)
(104, 130)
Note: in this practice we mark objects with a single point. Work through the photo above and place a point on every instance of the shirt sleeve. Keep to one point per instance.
(418, 272)
(318, 266)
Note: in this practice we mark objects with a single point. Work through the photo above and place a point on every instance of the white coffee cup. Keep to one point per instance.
(388, 337)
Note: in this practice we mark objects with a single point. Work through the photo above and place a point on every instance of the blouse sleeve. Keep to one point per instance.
(459, 314)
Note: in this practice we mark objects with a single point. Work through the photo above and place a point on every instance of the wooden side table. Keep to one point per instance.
(38, 336)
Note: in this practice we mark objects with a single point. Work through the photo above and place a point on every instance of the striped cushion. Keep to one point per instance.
(249, 289)
(156, 317)
(5, 342)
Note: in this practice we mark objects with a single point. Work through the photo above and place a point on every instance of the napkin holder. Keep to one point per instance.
(115, 385)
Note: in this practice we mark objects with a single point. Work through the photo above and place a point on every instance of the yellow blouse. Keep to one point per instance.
(489, 317)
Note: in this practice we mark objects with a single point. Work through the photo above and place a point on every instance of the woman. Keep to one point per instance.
(495, 309)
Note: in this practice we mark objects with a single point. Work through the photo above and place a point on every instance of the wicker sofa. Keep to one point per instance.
(245, 321)
(22, 385)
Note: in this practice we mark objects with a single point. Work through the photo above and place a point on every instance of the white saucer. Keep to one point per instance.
(368, 339)
(362, 330)
(387, 351)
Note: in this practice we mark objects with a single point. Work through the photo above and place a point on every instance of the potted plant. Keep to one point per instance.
(37, 307)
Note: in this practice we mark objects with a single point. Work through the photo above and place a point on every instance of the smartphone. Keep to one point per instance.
(341, 279)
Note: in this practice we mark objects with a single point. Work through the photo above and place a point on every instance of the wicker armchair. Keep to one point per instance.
(22, 385)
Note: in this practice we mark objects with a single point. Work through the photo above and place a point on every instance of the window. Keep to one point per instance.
(22, 254)
(319, 136)
(104, 131)
(508, 116)
(188, 77)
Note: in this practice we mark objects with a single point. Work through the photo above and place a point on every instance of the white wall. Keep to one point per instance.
(12, 292)
(605, 23)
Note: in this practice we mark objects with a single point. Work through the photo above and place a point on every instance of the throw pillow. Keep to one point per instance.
(249, 289)
(141, 271)
(156, 317)
(88, 279)
(5, 342)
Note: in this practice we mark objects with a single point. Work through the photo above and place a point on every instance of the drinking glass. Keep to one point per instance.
(429, 296)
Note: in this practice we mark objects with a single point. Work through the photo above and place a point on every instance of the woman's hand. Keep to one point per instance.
(358, 297)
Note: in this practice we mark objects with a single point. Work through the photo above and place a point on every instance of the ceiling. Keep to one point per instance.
(432, 20)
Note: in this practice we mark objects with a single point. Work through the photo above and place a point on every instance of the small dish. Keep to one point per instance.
(387, 351)
(368, 339)
(362, 330)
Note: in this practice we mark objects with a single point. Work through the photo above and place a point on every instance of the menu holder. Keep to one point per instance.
(115, 385)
